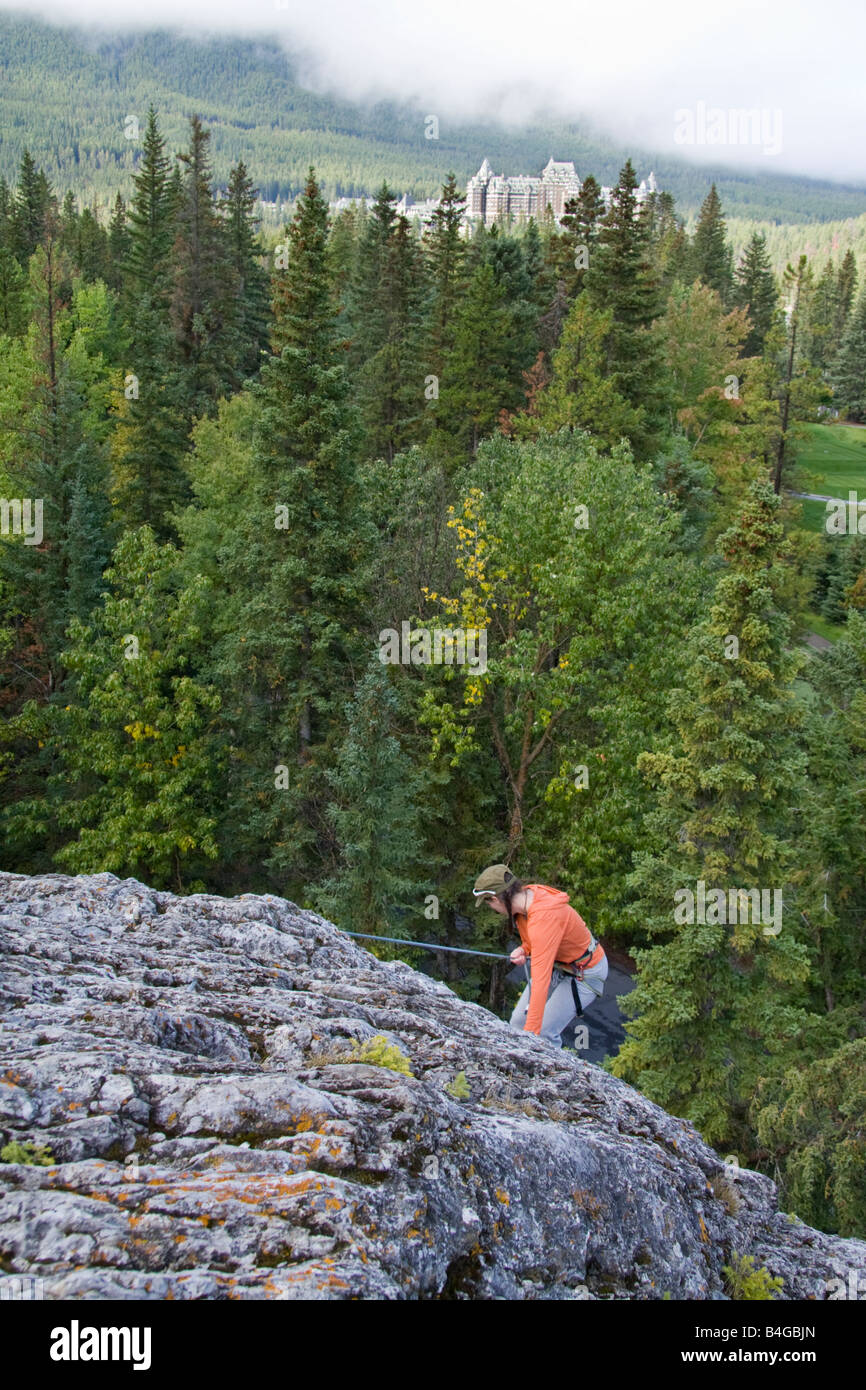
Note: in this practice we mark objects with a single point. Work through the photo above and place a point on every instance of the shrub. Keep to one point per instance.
(33, 1155)
(745, 1282)
(378, 1052)
(459, 1087)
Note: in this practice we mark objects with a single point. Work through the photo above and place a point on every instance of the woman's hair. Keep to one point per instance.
(508, 895)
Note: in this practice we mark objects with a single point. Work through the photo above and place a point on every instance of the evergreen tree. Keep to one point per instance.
(811, 1121)
(719, 997)
(238, 208)
(150, 219)
(581, 221)
(285, 636)
(368, 316)
(205, 306)
(477, 384)
(580, 394)
(150, 438)
(58, 459)
(534, 266)
(6, 210)
(846, 290)
(822, 317)
(669, 240)
(346, 235)
(52, 400)
(385, 297)
(134, 743)
(445, 252)
(849, 369)
(621, 278)
(808, 1118)
(68, 230)
(830, 875)
(378, 795)
(551, 323)
(506, 256)
(800, 387)
(391, 381)
(712, 259)
(33, 200)
(700, 345)
(118, 244)
(756, 291)
(13, 293)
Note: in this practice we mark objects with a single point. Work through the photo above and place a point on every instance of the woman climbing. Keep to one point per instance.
(551, 932)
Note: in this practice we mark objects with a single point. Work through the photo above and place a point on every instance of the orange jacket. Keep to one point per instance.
(550, 931)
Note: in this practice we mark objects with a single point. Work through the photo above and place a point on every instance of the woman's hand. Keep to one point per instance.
(518, 957)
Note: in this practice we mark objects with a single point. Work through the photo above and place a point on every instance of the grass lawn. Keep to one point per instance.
(823, 627)
(832, 461)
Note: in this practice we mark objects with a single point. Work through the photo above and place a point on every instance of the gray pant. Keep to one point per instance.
(559, 1009)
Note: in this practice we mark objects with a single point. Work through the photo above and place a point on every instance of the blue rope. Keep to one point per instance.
(427, 945)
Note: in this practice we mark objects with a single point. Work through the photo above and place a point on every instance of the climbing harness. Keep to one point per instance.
(574, 971)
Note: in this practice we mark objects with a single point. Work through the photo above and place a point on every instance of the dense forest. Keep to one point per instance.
(67, 94)
(229, 474)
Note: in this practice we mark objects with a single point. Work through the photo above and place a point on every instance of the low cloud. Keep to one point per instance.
(628, 66)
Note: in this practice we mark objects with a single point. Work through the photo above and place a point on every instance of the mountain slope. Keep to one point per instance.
(66, 95)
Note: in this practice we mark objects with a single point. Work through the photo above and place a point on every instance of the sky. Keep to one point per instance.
(662, 75)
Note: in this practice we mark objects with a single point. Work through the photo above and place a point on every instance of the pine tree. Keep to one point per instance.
(822, 318)
(68, 230)
(849, 368)
(445, 251)
(205, 306)
(344, 241)
(580, 395)
(59, 463)
(506, 255)
(238, 208)
(118, 243)
(477, 382)
(715, 1002)
(13, 287)
(287, 612)
(621, 278)
(581, 222)
(151, 436)
(33, 200)
(800, 387)
(385, 297)
(756, 291)
(6, 210)
(135, 743)
(846, 290)
(378, 794)
(711, 258)
(150, 219)
(668, 237)
(390, 383)
(368, 315)
(534, 266)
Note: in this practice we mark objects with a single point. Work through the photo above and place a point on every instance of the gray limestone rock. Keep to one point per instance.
(188, 1063)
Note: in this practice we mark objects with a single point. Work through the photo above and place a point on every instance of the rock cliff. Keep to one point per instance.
(180, 1058)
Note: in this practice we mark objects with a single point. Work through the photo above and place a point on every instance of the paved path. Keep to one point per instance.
(819, 497)
(818, 643)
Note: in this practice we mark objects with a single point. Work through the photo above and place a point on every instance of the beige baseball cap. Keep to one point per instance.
(493, 881)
